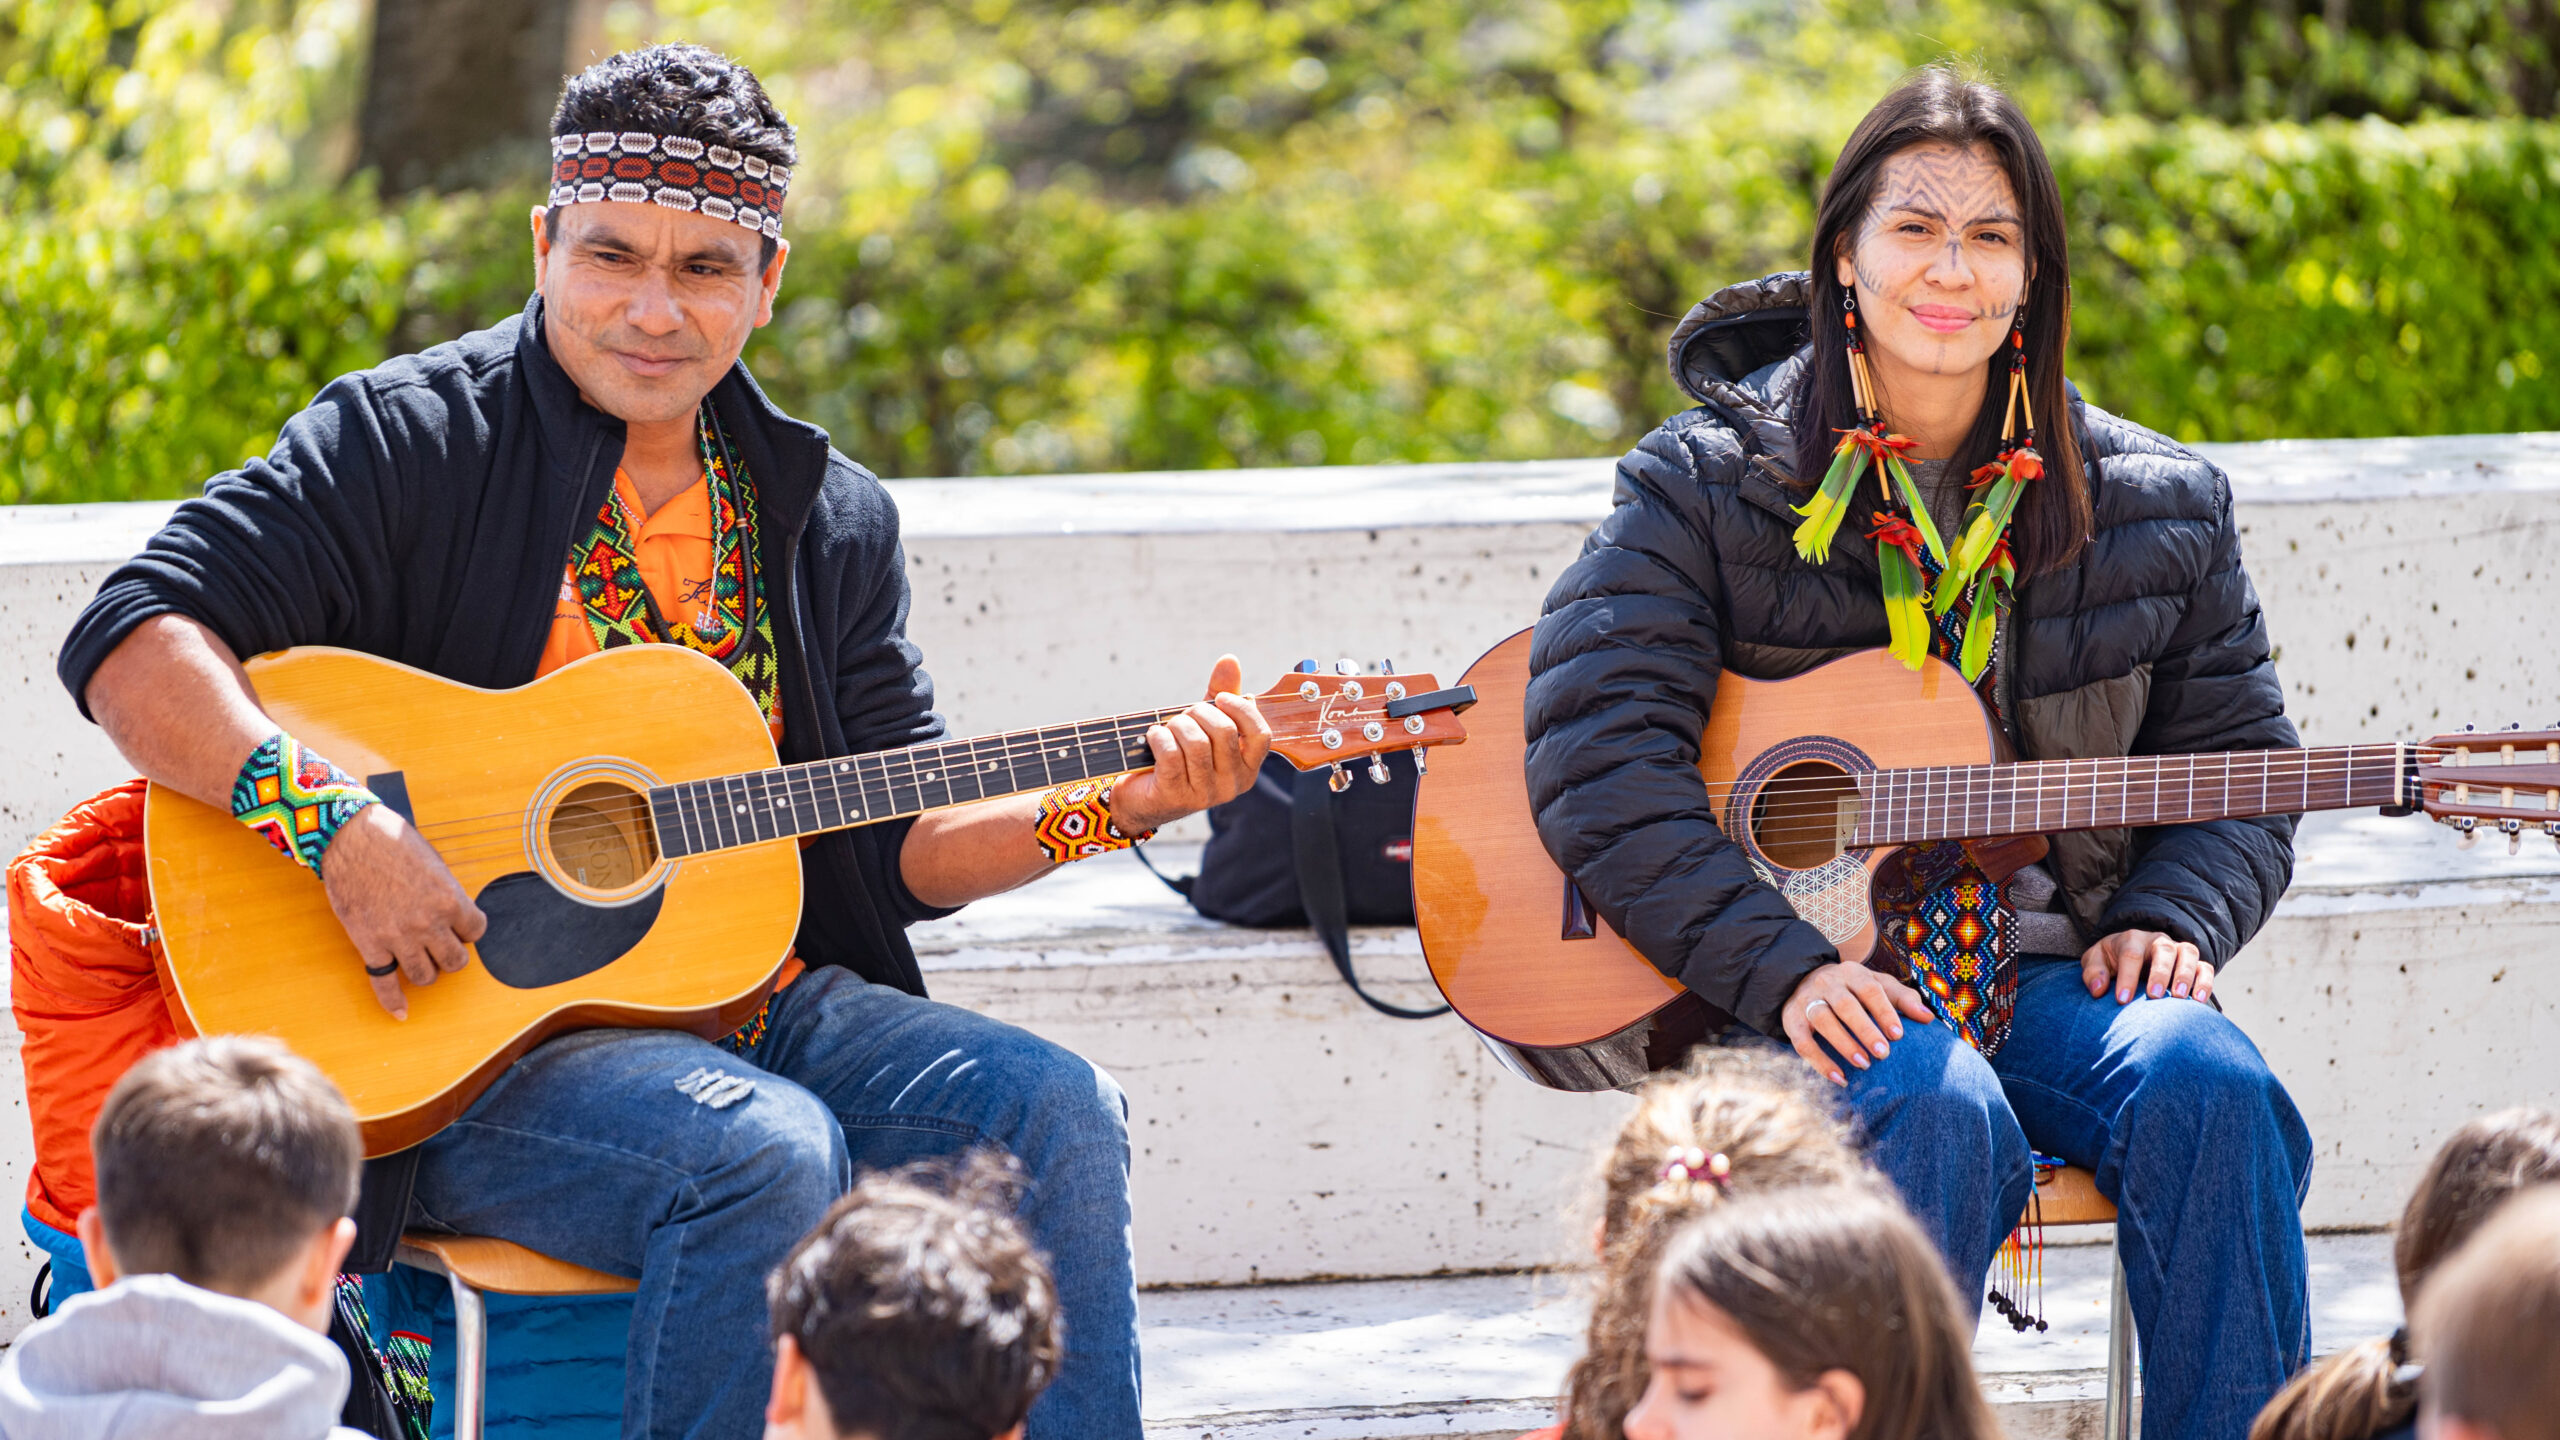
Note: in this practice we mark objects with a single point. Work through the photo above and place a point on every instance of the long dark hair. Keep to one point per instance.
(1939, 106)
(1839, 1278)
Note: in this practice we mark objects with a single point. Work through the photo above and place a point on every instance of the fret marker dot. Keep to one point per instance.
(742, 809)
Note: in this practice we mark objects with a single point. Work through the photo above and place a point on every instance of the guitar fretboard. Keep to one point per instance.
(1977, 802)
(695, 816)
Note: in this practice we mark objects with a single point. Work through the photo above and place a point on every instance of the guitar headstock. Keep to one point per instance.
(1325, 719)
(2509, 778)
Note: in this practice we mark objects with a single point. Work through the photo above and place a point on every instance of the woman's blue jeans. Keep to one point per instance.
(2186, 1130)
(586, 1150)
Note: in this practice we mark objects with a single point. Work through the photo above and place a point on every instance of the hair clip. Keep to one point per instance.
(1696, 1165)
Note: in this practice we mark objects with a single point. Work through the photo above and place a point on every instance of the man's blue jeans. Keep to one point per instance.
(2187, 1131)
(586, 1150)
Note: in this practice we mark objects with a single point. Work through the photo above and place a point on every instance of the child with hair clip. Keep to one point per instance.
(1732, 1122)
(1810, 1314)
(2371, 1389)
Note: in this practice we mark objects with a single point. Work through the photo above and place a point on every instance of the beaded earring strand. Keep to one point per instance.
(1981, 559)
(1903, 532)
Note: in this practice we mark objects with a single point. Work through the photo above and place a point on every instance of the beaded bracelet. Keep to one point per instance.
(1075, 822)
(295, 798)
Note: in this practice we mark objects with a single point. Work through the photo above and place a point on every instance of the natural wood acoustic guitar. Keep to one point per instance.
(1823, 779)
(626, 826)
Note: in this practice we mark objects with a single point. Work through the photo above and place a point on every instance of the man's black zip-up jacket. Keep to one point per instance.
(423, 510)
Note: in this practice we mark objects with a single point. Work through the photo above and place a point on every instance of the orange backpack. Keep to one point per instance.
(85, 983)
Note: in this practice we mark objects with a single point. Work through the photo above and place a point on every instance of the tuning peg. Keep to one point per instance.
(1309, 667)
(1386, 667)
(1346, 666)
(2515, 724)
(2552, 827)
(1422, 766)
(2514, 831)
(2463, 825)
(2468, 727)
(1340, 780)
(1378, 773)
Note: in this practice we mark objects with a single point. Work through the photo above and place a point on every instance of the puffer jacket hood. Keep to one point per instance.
(2150, 642)
(154, 1358)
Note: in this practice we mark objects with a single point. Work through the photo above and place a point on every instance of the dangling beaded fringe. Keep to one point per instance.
(2017, 1273)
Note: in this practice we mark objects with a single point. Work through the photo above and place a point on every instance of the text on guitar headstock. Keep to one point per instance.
(1320, 719)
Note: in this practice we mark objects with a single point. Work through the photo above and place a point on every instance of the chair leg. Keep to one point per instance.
(2120, 1359)
(471, 1359)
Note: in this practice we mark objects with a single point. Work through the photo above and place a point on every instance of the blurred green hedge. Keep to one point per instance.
(1370, 285)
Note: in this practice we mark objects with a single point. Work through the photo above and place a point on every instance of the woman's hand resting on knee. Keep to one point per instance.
(1857, 1009)
(2176, 967)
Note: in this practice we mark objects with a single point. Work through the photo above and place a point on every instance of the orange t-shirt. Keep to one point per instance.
(673, 548)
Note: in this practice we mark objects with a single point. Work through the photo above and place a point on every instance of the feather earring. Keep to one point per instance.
(1982, 558)
(1903, 531)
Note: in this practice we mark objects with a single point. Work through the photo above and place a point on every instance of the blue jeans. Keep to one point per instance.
(586, 1150)
(2173, 1110)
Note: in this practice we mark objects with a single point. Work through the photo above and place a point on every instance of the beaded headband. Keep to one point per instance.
(635, 167)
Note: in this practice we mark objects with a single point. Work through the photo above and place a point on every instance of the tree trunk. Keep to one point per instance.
(459, 93)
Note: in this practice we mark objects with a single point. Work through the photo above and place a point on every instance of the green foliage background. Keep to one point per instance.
(1203, 233)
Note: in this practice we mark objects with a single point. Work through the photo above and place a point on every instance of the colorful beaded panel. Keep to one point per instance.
(604, 570)
(295, 798)
(1958, 928)
(1075, 822)
(636, 167)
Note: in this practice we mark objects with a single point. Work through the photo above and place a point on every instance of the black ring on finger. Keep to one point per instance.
(379, 971)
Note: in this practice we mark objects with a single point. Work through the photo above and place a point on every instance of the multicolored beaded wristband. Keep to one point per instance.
(1075, 822)
(295, 798)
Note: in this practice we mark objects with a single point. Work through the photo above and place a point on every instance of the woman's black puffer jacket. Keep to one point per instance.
(2150, 643)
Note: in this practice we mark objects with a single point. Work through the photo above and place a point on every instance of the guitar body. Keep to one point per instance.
(1498, 919)
(532, 797)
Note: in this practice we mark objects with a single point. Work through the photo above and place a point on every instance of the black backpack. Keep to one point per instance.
(1290, 852)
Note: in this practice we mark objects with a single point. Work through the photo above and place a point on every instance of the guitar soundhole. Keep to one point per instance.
(601, 838)
(1796, 819)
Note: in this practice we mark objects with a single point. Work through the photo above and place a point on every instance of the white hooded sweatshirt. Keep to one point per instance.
(154, 1358)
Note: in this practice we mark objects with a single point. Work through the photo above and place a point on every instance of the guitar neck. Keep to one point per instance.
(696, 816)
(1980, 802)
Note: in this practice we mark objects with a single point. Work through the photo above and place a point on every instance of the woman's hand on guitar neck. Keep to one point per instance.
(2177, 968)
(1857, 1010)
(399, 903)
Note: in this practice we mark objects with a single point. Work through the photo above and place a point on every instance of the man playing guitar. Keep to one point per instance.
(601, 471)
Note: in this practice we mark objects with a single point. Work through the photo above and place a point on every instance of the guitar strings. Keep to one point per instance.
(1015, 746)
(1936, 785)
(2325, 764)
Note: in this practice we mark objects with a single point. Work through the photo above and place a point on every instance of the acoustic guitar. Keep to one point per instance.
(626, 826)
(1822, 779)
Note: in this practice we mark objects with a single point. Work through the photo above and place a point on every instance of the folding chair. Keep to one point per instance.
(2070, 1197)
(472, 1264)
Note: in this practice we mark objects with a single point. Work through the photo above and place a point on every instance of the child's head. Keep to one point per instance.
(2363, 1390)
(231, 1163)
(917, 1310)
(1759, 1110)
(1810, 1314)
(2488, 1329)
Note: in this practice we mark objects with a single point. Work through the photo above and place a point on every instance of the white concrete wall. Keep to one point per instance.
(1286, 1132)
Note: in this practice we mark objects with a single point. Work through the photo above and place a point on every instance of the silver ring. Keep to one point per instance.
(1809, 1004)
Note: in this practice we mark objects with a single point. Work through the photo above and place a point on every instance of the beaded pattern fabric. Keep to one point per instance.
(737, 630)
(1958, 934)
(636, 167)
(296, 799)
(1075, 822)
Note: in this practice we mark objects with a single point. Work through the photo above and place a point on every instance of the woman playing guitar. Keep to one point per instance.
(2061, 1006)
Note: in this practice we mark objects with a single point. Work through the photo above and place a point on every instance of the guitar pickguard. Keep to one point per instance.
(538, 936)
